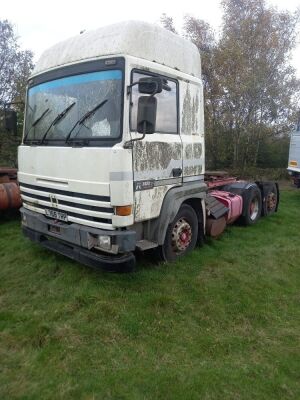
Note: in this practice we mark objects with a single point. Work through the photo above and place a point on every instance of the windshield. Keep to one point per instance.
(68, 108)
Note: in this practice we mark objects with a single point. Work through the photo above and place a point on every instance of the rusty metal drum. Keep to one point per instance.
(10, 196)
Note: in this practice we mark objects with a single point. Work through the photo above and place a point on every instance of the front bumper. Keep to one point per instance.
(77, 242)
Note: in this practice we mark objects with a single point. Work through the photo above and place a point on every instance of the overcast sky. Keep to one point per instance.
(41, 24)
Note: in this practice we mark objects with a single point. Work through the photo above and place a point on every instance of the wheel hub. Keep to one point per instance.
(271, 201)
(254, 207)
(181, 235)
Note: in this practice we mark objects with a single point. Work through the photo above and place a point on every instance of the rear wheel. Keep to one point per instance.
(271, 200)
(181, 235)
(252, 206)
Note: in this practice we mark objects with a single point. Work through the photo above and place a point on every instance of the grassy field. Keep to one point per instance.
(222, 323)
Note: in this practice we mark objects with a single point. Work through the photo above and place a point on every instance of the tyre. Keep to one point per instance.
(181, 236)
(271, 199)
(252, 206)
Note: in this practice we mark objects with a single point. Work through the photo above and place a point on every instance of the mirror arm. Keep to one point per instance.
(129, 87)
(129, 143)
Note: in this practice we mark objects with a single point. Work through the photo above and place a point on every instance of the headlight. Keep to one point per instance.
(104, 242)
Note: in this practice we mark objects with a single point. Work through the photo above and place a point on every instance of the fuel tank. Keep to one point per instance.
(232, 201)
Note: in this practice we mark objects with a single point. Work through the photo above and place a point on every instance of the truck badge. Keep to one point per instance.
(54, 200)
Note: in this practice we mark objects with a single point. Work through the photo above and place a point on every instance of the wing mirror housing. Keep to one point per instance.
(150, 85)
(146, 115)
(147, 105)
(153, 85)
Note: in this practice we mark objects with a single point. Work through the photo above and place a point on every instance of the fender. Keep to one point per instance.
(243, 189)
(170, 207)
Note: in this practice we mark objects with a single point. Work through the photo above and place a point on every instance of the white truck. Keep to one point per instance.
(112, 158)
(294, 156)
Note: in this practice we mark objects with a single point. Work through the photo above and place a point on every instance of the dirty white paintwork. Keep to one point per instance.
(138, 39)
(87, 170)
(294, 153)
(148, 202)
(112, 171)
(157, 155)
(192, 128)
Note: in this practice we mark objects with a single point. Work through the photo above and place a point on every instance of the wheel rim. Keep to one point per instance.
(181, 235)
(271, 201)
(254, 208)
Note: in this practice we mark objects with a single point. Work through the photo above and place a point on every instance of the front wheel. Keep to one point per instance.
(181, 235)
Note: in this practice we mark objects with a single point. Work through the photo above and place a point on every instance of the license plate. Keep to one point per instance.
(56, 215)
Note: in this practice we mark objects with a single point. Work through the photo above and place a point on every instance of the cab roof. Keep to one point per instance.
(134, 38)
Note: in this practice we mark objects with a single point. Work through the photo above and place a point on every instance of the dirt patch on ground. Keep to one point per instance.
(287, 185)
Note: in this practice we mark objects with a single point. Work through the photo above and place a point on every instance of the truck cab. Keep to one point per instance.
(96, 181)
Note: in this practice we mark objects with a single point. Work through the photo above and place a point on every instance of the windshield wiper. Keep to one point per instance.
(59, 117)
(85, 117)
(35, 123)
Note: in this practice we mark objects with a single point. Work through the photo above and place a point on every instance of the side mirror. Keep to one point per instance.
(150, 85)
(153, 85)
(146, 115)
(10, 118)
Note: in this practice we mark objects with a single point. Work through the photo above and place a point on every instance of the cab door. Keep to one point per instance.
(192, 130)
(157, 159)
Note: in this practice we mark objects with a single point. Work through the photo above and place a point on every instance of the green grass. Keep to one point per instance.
(222, 323)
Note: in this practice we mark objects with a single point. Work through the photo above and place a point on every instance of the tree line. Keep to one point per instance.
(250, 88)
(15, 68)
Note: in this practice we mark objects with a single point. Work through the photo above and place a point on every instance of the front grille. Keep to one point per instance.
(66, 192)
(85, 209)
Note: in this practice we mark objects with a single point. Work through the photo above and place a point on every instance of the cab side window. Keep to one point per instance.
(166, 118)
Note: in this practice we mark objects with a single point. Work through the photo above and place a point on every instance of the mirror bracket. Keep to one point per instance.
(129, 87)
(129, 143)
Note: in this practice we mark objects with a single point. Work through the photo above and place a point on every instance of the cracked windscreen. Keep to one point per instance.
(68, 107)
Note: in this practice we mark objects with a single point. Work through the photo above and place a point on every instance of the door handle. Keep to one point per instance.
(176, 172)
